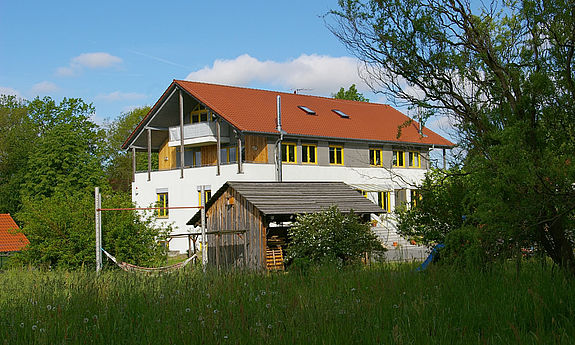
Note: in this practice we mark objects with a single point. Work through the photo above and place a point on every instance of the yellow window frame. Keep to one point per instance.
(207, 196)
(415, 197)
(287, 158)
(197, 113)
(411, 156)
(227, 149)
(384, 201)
(336, 149)
(306, 150)
(398, 159)
(163, 202)
(376, 157)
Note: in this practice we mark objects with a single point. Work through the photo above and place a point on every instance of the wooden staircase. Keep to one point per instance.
(275, 259)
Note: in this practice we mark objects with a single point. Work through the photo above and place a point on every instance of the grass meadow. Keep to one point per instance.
(381, 304)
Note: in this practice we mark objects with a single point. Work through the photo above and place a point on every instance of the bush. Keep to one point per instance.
(62, 233)
(463, 248)
(331, 237)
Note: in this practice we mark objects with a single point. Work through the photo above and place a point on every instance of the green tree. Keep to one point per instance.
(442, 208)
(505, 72)
(331, 236)
(16, 142)
(60, 228)
(351, 94)
(119, 164)
(68, 153)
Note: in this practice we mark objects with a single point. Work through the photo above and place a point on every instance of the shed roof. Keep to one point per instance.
(11, 240)
(253, 110)
(286, 198)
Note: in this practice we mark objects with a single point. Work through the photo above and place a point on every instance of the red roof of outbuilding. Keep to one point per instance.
(254, 110)
(11, 240)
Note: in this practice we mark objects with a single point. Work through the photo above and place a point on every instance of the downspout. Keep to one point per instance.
(278, 144)
(218, 146)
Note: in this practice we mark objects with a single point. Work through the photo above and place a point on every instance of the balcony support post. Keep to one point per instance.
(219, 145)
(182, 152)
(239, 152)
(133, 164)
(149, 154)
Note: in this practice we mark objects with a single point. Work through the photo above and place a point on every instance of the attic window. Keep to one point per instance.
(306, 109)
(341, 113)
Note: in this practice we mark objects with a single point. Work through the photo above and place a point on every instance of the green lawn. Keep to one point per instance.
(372, 305)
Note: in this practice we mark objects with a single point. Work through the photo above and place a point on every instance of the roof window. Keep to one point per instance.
(341, 113)
(306, 109)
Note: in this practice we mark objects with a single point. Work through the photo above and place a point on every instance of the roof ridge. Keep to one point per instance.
(280, 92)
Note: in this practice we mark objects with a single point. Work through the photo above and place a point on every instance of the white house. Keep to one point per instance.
(223, 133)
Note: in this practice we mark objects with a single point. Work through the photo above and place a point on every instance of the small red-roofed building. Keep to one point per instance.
(206, 135)
(11, 239)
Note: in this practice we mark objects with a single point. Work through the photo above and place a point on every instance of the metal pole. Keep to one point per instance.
(204, 242)
(218, 145)
(98, 222)
(444, 160)
(279, 142)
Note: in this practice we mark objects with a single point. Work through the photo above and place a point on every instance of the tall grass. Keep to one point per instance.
(376, 305)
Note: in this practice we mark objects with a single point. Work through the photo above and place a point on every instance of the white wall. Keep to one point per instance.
(184, 192)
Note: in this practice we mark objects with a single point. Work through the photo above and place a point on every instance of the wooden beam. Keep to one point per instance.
(161, 129)
(149, 155)
(239, 151)
(133, 164)
(182, 152)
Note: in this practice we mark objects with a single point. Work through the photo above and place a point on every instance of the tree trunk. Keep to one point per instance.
(557, 245)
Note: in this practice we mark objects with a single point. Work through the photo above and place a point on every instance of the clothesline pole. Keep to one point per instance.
(203, 214)
(98, 222)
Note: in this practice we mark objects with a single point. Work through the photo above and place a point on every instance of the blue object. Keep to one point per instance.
(430, 258)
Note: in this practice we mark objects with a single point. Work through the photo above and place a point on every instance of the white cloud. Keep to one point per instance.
(316, 74)
(9, 91)
(44, 88)
(120, 96)
(88, 60)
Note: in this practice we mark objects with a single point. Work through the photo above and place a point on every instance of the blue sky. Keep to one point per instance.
(123, 54)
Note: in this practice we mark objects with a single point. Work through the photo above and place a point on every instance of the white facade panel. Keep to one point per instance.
(184, 191)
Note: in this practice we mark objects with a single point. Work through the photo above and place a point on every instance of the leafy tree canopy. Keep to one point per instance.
(119, 164)
(505, 72)
(350, 94)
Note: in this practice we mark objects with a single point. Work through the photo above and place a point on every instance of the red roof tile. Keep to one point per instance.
(11, 240)
(254, 110)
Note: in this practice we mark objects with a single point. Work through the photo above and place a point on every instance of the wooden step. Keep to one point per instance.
(274, 258)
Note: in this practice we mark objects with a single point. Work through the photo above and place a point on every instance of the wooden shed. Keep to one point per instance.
(247, 222)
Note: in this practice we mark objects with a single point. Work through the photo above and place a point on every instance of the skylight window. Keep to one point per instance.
(341, 113)
(306, 109)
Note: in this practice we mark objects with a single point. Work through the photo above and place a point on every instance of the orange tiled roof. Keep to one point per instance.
(253, 110)
(10, 239)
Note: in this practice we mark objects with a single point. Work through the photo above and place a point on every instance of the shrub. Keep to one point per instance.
(463, 248)
(331, 237)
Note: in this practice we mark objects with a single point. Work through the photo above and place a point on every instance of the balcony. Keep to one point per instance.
(198, 133)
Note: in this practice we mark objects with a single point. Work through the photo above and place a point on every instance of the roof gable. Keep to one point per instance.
(11, 240)
(253, 110)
